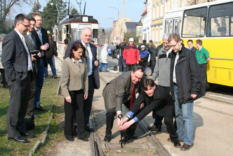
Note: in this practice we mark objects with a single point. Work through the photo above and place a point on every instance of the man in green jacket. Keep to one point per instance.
(202, 56)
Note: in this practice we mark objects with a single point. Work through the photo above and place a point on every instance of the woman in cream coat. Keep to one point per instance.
(74, 88)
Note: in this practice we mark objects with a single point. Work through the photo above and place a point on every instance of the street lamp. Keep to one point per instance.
(117, 11)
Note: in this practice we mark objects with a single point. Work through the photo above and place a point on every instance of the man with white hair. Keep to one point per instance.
(131, 55)
(162, 72)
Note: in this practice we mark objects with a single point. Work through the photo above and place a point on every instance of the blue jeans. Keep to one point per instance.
(121, 64)
(50, 62)
(39, 83)
(103, 67)
(184, 119)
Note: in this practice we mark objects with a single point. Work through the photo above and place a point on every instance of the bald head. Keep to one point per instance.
(86, 35)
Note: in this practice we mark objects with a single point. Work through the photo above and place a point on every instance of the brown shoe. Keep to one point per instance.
(186, 147)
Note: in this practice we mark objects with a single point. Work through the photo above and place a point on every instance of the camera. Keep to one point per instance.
(35, 52)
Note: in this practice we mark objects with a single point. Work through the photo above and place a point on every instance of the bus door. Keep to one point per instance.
(177, 25)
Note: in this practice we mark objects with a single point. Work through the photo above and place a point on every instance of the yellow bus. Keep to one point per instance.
(211, 22)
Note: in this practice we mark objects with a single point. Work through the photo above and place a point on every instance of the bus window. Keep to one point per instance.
(220, 18)
(177, 24)
(194, 22)
(168, 26)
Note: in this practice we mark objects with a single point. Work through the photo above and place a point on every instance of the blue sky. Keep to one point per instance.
(101, 10)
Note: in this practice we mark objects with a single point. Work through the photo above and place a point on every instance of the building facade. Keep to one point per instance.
(158, 10)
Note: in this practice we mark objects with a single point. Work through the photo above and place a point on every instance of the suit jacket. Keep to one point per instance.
(37, 40)
(95, 70)
(31, 43)
(14, 58)
(118, 91)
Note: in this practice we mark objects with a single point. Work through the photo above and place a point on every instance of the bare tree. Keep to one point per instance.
(8, 4)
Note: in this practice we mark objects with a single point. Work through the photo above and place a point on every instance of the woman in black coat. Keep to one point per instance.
(152, 97)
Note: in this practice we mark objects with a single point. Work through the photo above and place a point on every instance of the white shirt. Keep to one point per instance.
(174, 68)
(26, 48)
(90, 57)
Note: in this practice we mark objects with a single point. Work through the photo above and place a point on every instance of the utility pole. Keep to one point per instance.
(123, 9)
(68, 7)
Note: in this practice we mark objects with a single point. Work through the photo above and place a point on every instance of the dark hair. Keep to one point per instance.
(190, 41)
(32, 19)
(147, 82)
(19, 18)
(175, 37)
(137, 67)
(66, 41)
(199, 42)
(75, 46)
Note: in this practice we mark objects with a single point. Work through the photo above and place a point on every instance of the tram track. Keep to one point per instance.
(99, 148)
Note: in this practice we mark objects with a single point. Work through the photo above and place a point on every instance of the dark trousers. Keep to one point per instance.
(152, 64)
(203, 70)
(74, 113)
(129, 67)
(121, 64)
(88, 101)
(168, 119)
(19, 93)
(51, 62)
(4, 83)
(30, 107)
(158, 119)
(39, 83)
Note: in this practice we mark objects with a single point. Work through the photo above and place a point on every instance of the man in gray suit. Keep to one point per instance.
(31, 44)
(121, 90)
(17, 62)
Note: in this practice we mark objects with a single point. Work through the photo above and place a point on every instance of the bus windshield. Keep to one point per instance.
(220, 22)
(194, 22)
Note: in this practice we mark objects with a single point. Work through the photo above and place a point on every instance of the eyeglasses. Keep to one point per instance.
(25, 25)
(173, 45)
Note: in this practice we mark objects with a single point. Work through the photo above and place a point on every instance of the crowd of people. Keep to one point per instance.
(179, 73)
(180, 76)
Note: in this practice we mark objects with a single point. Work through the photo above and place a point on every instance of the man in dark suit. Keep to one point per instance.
(41, 40)
(93, 74)
(121, 90)
(17, 62)
(31, 44)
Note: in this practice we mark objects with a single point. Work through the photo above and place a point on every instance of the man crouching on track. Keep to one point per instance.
(153, 97)
(121, 90)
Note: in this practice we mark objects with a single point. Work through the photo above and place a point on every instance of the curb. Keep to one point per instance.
(45, 135)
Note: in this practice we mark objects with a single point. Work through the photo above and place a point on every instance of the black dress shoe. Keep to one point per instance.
(186, 147)
(108, 138)
(69, 138)
(89, 129)
(28, 134)
(19, 139)
(40, 109)
(176, 143)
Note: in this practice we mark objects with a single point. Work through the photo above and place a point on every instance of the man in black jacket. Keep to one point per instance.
(185, 87)
(41, 40)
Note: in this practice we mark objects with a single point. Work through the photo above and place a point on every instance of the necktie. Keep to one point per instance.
(132, 97)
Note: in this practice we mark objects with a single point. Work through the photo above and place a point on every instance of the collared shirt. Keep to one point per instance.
(90, 57)
(27, 50)
(174, 68)
(38, 31)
